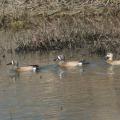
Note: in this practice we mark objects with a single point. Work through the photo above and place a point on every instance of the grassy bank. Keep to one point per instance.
(55, 25)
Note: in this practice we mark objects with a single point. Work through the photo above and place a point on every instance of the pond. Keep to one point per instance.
(91, 92)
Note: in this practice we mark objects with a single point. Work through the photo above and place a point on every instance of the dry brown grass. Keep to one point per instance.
(58, 24)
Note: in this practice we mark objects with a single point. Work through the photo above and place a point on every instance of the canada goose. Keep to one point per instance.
(23, 68)
(109, 59)
(63, 63)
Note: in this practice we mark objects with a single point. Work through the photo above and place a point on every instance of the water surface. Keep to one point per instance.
(87, 93)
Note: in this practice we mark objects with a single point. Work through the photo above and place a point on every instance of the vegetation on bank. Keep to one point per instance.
(58, 24)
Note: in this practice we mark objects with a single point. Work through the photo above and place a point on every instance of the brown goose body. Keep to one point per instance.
(113, 62)
(25, 68)
(18, 68)
(69, 64)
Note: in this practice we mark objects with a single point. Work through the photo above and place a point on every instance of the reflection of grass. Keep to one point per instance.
(94, 25)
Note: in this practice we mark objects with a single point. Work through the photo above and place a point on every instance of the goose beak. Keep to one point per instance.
(9, 63)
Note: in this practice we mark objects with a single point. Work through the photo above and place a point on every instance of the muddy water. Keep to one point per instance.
(87, 93)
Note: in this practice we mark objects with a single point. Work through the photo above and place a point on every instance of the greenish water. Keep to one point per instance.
(87, 93)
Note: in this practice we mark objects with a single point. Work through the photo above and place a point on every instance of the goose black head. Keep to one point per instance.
(59, 58)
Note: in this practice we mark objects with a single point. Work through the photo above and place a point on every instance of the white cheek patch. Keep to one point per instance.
(34, 69)
(59, 57)
(80, 64)
(12, 62)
